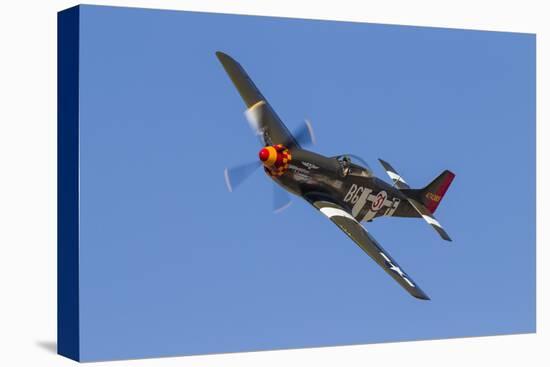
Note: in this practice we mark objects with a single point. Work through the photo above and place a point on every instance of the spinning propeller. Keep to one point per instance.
(274, 159)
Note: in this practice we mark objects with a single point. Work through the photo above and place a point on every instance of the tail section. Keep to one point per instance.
(425, 201)
(432, 194)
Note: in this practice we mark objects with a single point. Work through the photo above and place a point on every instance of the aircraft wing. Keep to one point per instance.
(350, 226)
(259, 112)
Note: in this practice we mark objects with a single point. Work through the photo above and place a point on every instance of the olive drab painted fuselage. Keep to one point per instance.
(354, 187)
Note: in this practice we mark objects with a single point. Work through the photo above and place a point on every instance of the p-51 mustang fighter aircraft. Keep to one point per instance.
(344, 191)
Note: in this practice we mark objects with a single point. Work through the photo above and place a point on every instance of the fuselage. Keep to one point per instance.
(354, 187)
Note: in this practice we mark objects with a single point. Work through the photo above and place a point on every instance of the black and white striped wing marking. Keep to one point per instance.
(398, 181)
(347, 223)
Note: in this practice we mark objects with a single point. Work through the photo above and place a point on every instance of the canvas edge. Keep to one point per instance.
(68, 328)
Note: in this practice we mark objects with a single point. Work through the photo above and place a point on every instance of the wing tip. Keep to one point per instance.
(423, 297)
(220, 54)
(225, 59)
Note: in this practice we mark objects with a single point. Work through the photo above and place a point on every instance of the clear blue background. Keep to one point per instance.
(171, 263)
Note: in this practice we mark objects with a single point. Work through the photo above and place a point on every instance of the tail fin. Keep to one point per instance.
(432, 194)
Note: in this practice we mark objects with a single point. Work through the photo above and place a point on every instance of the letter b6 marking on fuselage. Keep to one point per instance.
(353, 194)
(350, 193)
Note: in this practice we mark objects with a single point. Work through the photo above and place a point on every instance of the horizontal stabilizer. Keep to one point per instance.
(398, 181)
(428, 217)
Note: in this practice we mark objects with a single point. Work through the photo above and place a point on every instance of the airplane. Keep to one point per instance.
(344, 191)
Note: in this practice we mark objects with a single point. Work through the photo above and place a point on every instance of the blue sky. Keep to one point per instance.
(171, 263)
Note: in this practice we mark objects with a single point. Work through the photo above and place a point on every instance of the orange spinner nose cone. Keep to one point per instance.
(268, 156)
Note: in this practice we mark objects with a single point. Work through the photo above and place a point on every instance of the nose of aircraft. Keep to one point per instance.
(268, 156)
(264, 154)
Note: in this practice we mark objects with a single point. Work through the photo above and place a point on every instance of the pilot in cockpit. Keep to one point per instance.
(345, 165)
(349, 168)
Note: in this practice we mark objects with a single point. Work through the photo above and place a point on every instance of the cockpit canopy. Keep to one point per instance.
(357, 168)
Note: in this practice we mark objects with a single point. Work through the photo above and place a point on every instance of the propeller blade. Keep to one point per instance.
(236, 175)
(281, 199)
(304, 134)
(254, 116)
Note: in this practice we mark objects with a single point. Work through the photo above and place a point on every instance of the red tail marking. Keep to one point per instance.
(441, 190)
